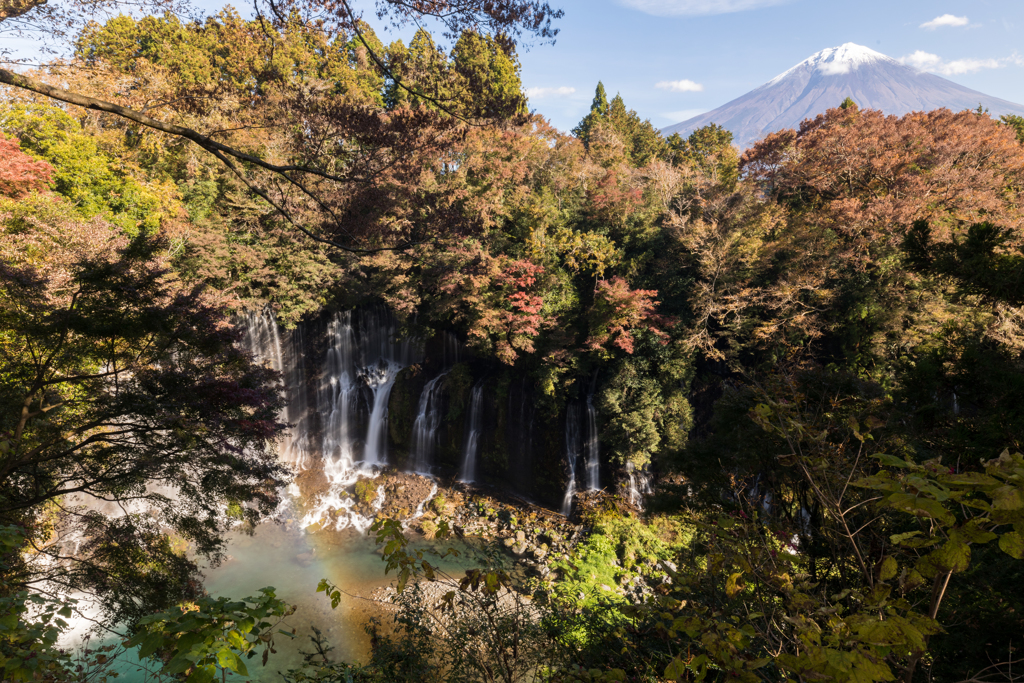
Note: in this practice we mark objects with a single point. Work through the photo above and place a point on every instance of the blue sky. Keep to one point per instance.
(704, 53)
(713, 56)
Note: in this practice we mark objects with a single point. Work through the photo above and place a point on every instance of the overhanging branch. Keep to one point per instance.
(218, 149)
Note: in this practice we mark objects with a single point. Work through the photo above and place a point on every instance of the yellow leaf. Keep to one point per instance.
(732, 586)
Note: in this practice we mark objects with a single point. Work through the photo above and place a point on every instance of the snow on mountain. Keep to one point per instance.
(824, 80)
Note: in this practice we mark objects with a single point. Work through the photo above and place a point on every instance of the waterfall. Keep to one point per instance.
(363, 357)
(262, 338)
(381, 357)
(339, 392)
(573, 447)
(419, 508)
(380, 378)
(592, 448)
(639, 484)
(424, 429)
(472, 446)
(450, 349)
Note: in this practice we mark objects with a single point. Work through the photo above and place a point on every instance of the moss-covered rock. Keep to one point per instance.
(366, 491)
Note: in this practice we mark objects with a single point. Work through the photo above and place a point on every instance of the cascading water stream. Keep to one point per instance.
(419, 508)
(381, 357)
(573, 447)
(472, 446)
(424, 429)
(639, 484)
(380, 378)
(262, 338)
(592, 448)
(339, 392)
(363, 358)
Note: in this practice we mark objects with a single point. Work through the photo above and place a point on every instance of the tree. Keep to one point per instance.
(20, 174)
(91, 180)
(324, 178)
(1016, 123)
(709, 151)
(821, 263)
(489, 70)
(130, 418)
(598, 110)
(643, 142)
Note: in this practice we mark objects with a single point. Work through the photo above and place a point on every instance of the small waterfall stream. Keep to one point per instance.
(592, 447)
(263, 339)
(424, 429)
(638, 485)
(471, 448)
(339, 392)
(573, 448)
(380, 378)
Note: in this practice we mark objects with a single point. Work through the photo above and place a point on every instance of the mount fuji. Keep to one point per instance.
(824, 80)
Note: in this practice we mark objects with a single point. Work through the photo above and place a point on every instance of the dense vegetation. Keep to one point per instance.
(815, 344)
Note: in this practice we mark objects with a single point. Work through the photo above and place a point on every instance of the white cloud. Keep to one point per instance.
(925, 61)
(684, 85)
(540, 93)
(944, 20)
(836, 68)
(672, 8)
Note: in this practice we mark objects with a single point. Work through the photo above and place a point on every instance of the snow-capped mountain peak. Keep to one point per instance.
(824, 80)
(834, 61)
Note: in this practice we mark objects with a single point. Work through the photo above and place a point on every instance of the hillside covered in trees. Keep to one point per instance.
(777, 393)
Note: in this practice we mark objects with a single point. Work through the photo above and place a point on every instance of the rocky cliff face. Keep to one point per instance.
(361, 397)
(824, 80)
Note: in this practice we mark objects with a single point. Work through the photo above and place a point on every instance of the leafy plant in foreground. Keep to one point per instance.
(209, 635)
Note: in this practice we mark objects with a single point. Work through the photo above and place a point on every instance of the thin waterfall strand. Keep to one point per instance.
(428, 419)
(472, 446)
(573, 446)
(592, 448)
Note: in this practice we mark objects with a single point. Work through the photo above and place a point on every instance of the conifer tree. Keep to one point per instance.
(598, 111)
(488, 69)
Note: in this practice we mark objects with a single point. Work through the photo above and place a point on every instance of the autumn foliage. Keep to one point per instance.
(868, 176)
(620, 311)
(19, 173)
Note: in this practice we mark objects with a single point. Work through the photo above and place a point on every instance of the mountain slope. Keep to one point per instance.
(824, 80)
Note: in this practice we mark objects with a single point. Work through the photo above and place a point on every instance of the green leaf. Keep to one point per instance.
(676, 670)
(898, 539)
(972, 479)
(229, 660)
(178, 664)
(920, 507)
(890, 460)
(1012, 543)
(972, 533)
(888, 569)
(952, 556)
(150, 644)
(1007, 498)
(202, 674)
